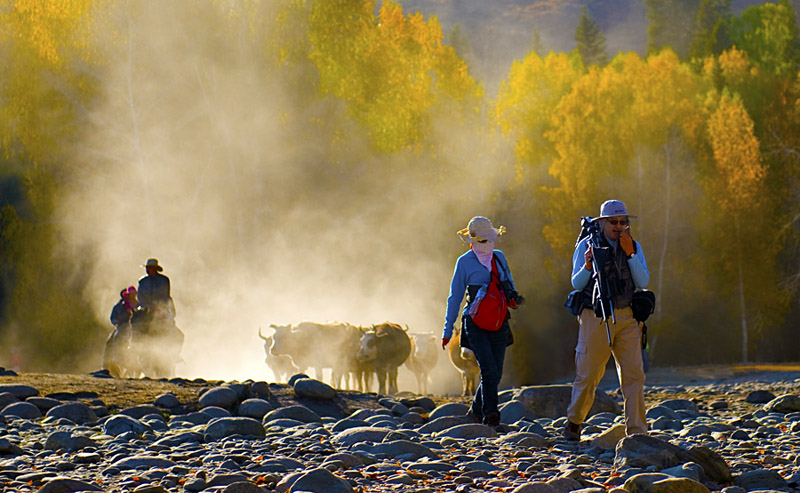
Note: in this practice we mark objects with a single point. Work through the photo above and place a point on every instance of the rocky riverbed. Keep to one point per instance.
(712, 430)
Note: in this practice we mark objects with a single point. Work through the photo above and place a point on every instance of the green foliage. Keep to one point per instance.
(667, 26)
(591, 42)
(711, 29)
(768, 33)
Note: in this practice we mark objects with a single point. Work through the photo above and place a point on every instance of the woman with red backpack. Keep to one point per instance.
(482, 272)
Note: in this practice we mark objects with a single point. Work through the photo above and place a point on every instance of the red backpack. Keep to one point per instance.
(493, 308)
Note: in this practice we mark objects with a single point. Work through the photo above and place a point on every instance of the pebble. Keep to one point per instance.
(727, 437)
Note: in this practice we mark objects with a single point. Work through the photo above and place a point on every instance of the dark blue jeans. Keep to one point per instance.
(490, 351)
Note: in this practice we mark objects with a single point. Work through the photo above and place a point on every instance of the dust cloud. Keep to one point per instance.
(205, 158)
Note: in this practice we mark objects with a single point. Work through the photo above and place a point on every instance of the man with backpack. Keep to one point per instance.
(624, 270)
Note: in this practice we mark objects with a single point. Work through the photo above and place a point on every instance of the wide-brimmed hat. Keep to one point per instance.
(612, 208)
(153, 262)
(480, 228)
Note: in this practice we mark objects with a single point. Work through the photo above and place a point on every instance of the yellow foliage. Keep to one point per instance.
(740, 173)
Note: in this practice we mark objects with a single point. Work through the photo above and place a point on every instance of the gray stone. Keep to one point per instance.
(759, 397)
(609, 438)
(404, 449)
(24, 410)
(443, 423)
(680, 405)
(64, 440)
(550, 401)
(678, 485)
(534, 487)
(479, 465)
(43, 403)
(347, 423)
(449, 409)
(145, 461)
(121, 423)
(224, 427)
(139, 412)
(468, 431)
(564, 485)
(314, 389)
(298, 413)
(689, 470)
(242, 487)
(216, 412)
(7, 398)
(77, 412)
(67, 485)
(21, 392)
(760, 479)
(319, 481)
(513, 411)
(179, 438)
(656, 412)
(784, 404)
(224, 397)
(167, 401)
(524, 439)
(254, 408)
(641, 483)
(360, 434)
(8, 448)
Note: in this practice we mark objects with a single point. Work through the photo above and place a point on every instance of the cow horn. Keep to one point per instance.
(259, 334)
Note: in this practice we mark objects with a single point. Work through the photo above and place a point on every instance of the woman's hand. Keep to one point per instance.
(445, 341)
(626, 242)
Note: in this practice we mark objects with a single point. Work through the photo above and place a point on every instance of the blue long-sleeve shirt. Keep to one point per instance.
(470, 272)
(637, 264)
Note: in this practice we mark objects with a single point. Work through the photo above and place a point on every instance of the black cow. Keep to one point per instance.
(384, 349)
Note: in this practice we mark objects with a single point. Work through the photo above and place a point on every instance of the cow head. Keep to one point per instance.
(280, 339)
(368, 349)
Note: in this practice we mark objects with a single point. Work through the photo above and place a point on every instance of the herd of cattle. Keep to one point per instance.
(354, 354)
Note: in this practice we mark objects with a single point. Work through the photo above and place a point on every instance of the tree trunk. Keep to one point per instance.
(742, 305)
(665, 229)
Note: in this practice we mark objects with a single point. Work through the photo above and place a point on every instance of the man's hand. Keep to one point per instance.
(588, 258)
(445, 341)
(626, 242)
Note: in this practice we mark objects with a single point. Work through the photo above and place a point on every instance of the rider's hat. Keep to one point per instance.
(153, 262)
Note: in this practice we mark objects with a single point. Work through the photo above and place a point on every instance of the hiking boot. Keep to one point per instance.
(492, 419)
(572, 432)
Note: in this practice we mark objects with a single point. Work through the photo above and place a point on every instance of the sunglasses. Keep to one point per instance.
(614, 222)
(482, 241)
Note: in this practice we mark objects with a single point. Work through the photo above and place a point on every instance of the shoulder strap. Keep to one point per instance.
(505, 269)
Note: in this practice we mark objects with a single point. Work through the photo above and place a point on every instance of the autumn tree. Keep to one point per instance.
(736, 192)
(45, 89)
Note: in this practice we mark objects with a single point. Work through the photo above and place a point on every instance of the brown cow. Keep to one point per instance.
(384, 349)
(466, 364)
(424, 353)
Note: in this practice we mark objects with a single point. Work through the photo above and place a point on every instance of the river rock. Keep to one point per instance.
(224, 427)
(550, 401)
(224, 397)
(24, 410)
(77, 412)
(313, 389)
(296, 412)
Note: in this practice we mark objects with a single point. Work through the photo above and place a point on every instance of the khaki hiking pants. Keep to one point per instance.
(591, 355)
